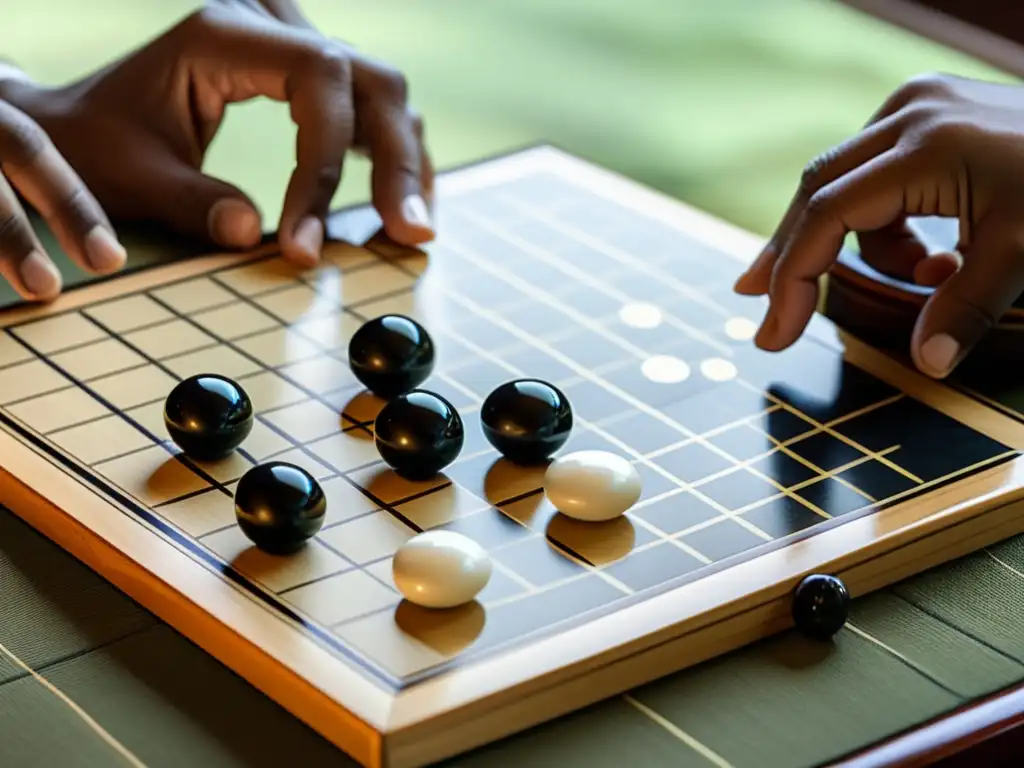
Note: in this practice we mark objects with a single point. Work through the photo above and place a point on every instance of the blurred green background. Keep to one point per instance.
(717, 102)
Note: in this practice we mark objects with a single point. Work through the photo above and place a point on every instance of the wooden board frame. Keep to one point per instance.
(520, 687)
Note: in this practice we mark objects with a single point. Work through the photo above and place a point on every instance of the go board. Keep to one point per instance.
(757, 468)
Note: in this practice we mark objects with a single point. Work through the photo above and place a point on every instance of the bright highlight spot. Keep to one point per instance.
(640, 315)
(665, 369)
(717, 369)
(740, 328)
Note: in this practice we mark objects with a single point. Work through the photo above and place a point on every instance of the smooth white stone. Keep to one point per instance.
(592, 485)
(440, 569)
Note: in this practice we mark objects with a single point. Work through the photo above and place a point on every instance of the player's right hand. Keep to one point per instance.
(939, 146)
(32, 166)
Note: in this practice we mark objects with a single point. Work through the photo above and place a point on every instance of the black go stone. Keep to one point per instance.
(208, 416)
(391, 355)
(418, 434)
(821, 605)
(279, 507)
(526, 420)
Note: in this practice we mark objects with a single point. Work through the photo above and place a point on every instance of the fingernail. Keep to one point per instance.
(41, 278)
(939, 354)
(105, 253)
(234, 222)
(309, 236)
(415, 211)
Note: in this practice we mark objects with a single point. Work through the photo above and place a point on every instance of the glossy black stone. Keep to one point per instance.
(526, 420)
(418, 434)
(821, 605)
(279, 507)
(208, 416)
(391, 355)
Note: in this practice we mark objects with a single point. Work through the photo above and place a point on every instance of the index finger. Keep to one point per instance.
(322, 108)
(869, 197)
(253, 57)
(34, 166)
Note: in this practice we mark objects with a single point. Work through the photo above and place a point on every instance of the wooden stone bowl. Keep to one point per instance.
(881, 310)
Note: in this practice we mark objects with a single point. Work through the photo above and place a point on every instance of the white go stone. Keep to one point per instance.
(441, 569)
(592, 485)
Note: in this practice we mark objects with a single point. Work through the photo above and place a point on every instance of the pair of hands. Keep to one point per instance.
(128, 142)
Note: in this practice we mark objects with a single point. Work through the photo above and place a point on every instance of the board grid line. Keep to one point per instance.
(138, 511)
(584, 278)
(619, 255)
(390, 508)
(780, 406)
(466, 251)
(518, 373)
(636, 403)
(213, 482)
(300, 445)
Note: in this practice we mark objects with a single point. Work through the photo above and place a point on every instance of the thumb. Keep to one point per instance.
(968, 304)
(195, 204)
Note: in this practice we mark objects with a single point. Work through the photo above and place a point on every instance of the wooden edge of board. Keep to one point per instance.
(177, 590)
(431, 742)
(712, 599)
(442, 703)
(165, 274)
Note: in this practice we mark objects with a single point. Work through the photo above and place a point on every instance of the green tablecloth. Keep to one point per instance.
(719, 103)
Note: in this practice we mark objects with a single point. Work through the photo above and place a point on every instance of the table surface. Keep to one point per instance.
(88, 678)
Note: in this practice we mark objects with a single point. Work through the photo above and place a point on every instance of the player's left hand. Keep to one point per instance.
(939, 146)
(137, 131)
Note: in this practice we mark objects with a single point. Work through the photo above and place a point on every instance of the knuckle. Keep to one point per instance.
(332, 63)
(918, 112)
(945, 133)
(326, 181)
(977, 314)
(819, 205)
(15, 237)
(928, 84)
(394, 85)
(816, 173)
(384, 81)
(22, 141)
(77, 209)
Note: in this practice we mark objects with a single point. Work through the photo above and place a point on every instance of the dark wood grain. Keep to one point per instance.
(1001, 17)
(987, 733)
(882, 311)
